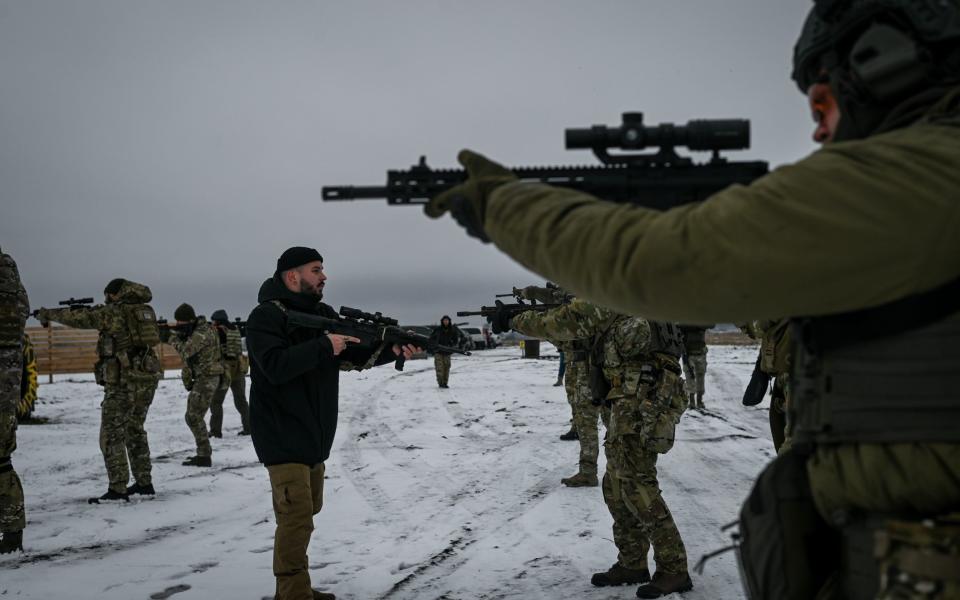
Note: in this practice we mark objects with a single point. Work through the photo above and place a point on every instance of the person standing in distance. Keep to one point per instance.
(447, 334)
(234, 372)
(294, 388)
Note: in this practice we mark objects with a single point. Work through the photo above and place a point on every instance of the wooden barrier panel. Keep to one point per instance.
(67, 350)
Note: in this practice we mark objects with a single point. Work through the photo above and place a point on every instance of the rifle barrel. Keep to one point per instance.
(354, 192)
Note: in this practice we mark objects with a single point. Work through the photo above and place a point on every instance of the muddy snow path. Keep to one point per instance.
(430, 493)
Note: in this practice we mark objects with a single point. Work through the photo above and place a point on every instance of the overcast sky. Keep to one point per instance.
(183, 143)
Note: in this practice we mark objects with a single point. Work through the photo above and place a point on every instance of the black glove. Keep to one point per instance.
(500, 320)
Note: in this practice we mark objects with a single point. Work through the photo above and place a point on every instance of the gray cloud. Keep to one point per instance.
(184, 144)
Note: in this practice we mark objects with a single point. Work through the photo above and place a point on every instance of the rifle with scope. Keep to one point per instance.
(660, 181)
(71, 303)
(372, 329)
(512, 310)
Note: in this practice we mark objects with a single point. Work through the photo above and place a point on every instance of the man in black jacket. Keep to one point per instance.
(447, 334)
(294, 375)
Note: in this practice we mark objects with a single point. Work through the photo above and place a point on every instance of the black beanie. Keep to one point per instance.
(114, 286)
(220, 316)
(184, 313)
(296, 257)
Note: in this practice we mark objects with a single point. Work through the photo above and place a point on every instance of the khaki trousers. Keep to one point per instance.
(297, 496)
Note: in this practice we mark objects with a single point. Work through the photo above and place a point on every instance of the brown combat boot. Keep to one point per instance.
(665, 583)
(570, 435)
(580, 480)
(620, 575)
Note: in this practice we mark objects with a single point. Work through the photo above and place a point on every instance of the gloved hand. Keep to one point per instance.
(43, 317)
(500, 320)
(467, 201)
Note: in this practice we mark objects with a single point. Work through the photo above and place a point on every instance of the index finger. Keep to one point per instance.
(350, 338)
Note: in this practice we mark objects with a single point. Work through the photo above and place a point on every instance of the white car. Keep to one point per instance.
(474, 337)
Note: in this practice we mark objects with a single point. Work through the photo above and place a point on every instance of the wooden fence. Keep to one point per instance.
(68, 350)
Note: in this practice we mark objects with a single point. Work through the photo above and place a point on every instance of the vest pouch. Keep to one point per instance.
(145, 368)
(186, 375)
(599, 386)
(244, 364)
(107, 371)
(660, 412)
(786, 550)
(919, 559)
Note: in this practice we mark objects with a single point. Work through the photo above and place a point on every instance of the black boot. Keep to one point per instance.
(243, 432)
(143, 490)
(11, 542)
(110, 495)
(198, 461)
(620, 575)
(665, 583)
(215, 434)
(570, 435)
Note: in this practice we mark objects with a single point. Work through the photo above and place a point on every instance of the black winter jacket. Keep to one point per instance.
(294, 379)
(448, 336)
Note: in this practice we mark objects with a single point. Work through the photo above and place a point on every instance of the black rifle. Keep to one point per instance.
(177, 327)
(71, 303)
(371, 329)
(76, 302)
(511, 309)
(660, 181)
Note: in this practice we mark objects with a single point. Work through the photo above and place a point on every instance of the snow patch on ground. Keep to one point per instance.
(430, 493)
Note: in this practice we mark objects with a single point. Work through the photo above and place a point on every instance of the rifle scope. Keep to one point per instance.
(698, 134)
(75, 301)
(353, 313)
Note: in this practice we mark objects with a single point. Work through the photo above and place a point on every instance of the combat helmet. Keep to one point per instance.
(889, 48)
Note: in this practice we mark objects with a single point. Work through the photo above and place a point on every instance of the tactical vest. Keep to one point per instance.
(232, 347)
(888, 374)
(666, 338)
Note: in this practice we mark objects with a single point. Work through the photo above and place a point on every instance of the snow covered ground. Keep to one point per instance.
(430, 493)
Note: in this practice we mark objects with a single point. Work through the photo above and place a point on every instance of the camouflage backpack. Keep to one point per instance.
(141, 323)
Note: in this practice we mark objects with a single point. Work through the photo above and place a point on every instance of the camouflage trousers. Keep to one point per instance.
(640, 516)
(441, 362)
(198, 402)
(695, 367)
(585, 415)
(12, 516)
(236, 382)
(123, 439)
(297, 496)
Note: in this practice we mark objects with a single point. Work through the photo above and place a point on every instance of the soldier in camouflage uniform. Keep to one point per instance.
(198, 345)
(640, 362)
(694, 363)
(585, 412)
(14, 308)
(128, 369)
(234, 375)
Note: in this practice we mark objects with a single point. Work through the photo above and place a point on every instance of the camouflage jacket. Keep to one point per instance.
(626, 341)
(14, 308)
(646, 389)
(111, 320)
(200, 350)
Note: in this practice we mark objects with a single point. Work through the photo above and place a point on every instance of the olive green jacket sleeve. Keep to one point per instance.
(574, 321)
(854, 225)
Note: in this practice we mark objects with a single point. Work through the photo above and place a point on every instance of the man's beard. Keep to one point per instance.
(309, 290)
